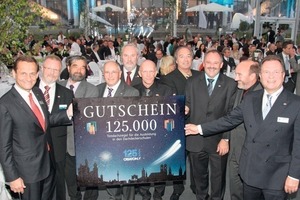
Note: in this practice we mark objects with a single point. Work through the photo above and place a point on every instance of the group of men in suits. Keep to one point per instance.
(269, 161)
(209, 96)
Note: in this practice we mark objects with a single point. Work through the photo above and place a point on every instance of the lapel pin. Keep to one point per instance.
(58, 96)
(284, 104)
(219, 86)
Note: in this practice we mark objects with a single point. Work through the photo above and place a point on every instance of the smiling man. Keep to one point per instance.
(209, 95)
(270, 158)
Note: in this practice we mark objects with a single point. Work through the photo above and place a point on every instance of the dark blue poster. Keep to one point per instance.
(129, 140)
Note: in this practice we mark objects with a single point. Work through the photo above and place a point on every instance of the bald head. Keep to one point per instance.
(112, 73)
(246, 74)
(148, 72)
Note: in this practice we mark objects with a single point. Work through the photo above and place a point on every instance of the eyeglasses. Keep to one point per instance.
(54, 70)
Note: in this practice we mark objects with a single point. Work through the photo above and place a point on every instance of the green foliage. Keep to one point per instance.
(15, 18)
(244, 26)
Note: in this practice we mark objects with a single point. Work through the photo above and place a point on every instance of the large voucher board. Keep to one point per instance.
(129, 140)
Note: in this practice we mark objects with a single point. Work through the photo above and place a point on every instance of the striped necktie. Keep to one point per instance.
(46, 95)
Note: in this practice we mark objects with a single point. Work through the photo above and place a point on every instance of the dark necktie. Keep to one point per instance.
(46, 95)
(210, 86)
(72, 88)
(37, 112)
(128, 79)
(109, 92)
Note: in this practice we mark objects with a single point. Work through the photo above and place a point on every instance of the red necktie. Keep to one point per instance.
(37, 112)
(46, 95)
(128, 79)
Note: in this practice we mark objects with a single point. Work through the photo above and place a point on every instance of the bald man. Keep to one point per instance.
(247, 80)
(150, 87)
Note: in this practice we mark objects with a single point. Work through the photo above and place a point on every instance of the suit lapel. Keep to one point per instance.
(278, 108)
(120, 90)
(80, 91)
(218, 86)
(257, 107)
(23, 105)
(57, 99)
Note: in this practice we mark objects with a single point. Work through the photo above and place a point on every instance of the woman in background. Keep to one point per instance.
(167, 65)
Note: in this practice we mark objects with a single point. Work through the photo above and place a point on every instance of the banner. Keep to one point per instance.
(129, 140)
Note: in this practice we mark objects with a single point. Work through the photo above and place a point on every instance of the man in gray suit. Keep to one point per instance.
(77, 66)
(114, 87)
(247, 80)
(270, 158)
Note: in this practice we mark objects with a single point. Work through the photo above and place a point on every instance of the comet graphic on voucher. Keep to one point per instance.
(170, 152)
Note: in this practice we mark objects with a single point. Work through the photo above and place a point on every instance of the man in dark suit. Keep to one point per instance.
(112, 51)
(57, 98)
(228, 62)
(247, 80)
(77, 67)
(114, 87)
(129, 56)
(94, 55)
(209, 95)
(289, 64)
(26, 150)
(270, 158)
(151, 87)
(177, 81)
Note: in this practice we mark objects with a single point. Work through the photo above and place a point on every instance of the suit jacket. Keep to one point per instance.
(156, 89)
(23, 146)
(94, 57)
(123, 90)
(293, 63)
(271, 150)
(84, 90)
(238, 135)
(230, 62)
(205, 108)
(136, 79)
(176, 81)
(63, 97)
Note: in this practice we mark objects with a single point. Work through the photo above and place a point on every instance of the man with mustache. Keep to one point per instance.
(129, 56)
(209, 95)
(77, 68)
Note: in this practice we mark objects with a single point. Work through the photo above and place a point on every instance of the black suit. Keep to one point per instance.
(271, 150)
(205, 108)
(177, 81)
(237, 139)
(229, 62)
(62, 99)
(24, 144)
(94, 57)
(156, 89)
